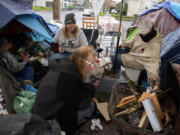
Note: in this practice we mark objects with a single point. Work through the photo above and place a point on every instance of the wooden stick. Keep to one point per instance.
(124, 102)
(157, 105)
(129, 110)
(157, 108)
(144, 120)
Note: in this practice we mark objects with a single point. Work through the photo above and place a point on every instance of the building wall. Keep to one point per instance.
(79, 2)
(39, 3)
(133, 7)
(139, 6)
(63, 3)
(108, 3)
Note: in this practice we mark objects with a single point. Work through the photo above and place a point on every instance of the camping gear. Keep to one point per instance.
(21, 19)
(170, 51)
(9, 85)
(165, 17)
(27, 124)
(24, 101)
(29, 87)
(91, 35)
(132, 119)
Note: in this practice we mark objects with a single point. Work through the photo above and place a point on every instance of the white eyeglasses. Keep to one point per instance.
(92, 64)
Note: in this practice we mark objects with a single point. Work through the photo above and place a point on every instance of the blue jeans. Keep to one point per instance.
(26, 74)
(119, 61)
(57, 56)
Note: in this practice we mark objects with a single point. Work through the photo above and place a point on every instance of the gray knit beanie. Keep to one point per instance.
(69, 18)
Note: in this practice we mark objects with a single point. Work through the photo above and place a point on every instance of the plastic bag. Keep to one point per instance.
(29, 87)
(24, 101)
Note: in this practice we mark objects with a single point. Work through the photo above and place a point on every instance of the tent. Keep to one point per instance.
(17, 17)
(165, 17)
(166, 20)
(170, 51)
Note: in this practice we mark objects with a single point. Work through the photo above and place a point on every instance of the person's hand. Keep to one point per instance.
(154, 83)
(123, 45)
(61, 50)
(95, 83)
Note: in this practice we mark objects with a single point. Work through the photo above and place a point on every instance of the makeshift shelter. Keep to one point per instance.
(170, 51)
(16, 18)
(165, 17)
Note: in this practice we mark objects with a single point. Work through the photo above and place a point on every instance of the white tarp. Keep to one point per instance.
(97, 5)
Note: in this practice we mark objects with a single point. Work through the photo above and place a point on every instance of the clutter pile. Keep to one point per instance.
(145, 110)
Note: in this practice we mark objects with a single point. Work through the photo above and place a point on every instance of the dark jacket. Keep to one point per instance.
(62, 94)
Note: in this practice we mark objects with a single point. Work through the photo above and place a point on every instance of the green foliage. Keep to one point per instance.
(124, 18)
(135, 15)
(42, 8)
(111, 8)
(125, 8)
(102, 14)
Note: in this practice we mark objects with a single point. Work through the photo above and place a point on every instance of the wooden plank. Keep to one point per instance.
(129, 110)
(144, 121)
(157, 105)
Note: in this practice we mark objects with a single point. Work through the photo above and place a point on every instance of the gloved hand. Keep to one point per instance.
(154, 82)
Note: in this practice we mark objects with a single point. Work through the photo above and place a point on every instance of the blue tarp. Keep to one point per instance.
(32, 23)
(169, 41)
(170, 50)
(53, 27)
(172, 7)
(10, 10)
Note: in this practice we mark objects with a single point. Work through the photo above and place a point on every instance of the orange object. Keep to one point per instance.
(126, 100)
(144, 96)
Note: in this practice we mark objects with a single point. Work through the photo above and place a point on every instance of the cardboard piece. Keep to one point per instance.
(102, 107)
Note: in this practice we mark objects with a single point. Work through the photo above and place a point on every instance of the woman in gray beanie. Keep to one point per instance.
(69, 38)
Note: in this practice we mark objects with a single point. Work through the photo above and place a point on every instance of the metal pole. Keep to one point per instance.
(120, 20)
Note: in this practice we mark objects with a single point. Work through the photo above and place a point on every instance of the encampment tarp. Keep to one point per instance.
(19, 13)
(9, 10)
(172, 7)
(165, 17)
(35, 25)
(169, 42)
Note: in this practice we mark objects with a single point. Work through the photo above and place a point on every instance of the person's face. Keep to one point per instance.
(70, 27)
(90, 63)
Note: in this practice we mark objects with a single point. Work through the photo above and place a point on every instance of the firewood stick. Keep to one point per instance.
(129, 110)
(125, 102)
(143, 120)
(157, 105)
